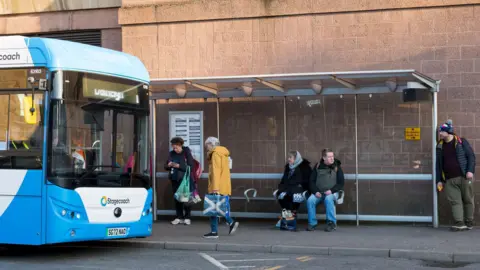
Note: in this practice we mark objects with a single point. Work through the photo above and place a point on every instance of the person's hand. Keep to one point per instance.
(318, 195)
(469, 175)
(176, 165)
(170, 164)
(440, 186)
(328, 192)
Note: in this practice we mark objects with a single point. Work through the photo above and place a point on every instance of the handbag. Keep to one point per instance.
(288, 224)
(216, 205)
(183, 192)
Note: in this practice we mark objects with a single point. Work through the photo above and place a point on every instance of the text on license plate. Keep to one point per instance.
(117, 232)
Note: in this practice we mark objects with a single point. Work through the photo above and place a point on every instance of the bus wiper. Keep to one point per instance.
(104, 166)
(91, 169)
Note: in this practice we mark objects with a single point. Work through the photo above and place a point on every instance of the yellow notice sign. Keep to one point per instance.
(412, 134)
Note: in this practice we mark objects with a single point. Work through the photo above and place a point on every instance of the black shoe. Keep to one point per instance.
(311, 228)
(469, 225)
(233, 227)
(211, 235)
(330, 227)
(459, 226)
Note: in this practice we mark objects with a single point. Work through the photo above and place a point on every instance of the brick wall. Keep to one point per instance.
(441, 42)
(27, 6)
(59, 21)
(161, 11)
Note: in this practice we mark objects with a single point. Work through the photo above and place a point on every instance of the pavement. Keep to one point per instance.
(385, 241)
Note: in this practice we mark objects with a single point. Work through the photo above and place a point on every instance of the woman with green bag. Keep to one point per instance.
(178, 165)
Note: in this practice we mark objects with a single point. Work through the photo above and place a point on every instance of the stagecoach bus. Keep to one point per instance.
(74, 144)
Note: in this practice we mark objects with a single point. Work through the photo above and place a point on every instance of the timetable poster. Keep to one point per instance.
(189, 127)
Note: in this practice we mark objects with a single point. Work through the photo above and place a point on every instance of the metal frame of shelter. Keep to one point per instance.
(305, 84)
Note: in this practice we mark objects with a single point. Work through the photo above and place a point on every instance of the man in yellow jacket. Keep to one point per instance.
(219, 181)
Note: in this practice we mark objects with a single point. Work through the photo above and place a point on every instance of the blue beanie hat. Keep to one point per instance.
(447, 127)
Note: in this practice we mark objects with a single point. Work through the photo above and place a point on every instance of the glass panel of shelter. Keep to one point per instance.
(165, 200)
(394, 144)
(318, 122)
(253, 130)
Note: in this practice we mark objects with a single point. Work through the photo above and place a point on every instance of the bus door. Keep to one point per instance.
(21, 175)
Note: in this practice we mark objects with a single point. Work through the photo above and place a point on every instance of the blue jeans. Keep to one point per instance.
(329, 202)
(214, 223)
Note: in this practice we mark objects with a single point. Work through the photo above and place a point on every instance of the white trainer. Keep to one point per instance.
(177, 221)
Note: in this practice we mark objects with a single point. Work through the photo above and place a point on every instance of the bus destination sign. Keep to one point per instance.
(111, 91)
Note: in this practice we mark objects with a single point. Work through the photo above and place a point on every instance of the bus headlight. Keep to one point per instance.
(64, 212)
(148, 211)
(78, 216)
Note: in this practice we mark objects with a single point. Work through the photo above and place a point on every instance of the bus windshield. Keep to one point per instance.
(97, 143)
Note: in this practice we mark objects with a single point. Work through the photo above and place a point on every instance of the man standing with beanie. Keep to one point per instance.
(455, 169)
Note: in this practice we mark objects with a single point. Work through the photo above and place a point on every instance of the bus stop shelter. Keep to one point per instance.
(356, 88)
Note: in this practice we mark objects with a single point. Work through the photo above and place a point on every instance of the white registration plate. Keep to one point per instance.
(116, 232)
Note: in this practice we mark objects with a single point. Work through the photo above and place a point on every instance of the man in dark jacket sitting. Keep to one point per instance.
(326, 181)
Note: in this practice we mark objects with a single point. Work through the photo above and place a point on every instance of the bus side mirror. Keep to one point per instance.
(29, 116)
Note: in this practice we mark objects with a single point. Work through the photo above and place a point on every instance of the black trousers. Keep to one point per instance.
(183, 210)
(287, 203)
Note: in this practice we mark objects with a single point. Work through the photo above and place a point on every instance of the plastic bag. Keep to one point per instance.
(183, 192)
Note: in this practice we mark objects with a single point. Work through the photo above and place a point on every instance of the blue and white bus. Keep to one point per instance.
(74, 144)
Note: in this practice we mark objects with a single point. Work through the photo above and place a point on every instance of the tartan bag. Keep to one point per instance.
(183, 192)
(216, 205)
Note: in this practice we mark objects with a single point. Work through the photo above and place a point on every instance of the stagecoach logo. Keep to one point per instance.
(9, 56)
(106, 201)
(109, 94)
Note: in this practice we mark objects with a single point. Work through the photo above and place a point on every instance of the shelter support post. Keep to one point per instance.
(434, 156)
(285, 125)
(218, 118)
(153, 127)
(356, 161)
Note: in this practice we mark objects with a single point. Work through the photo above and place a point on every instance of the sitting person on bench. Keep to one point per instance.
(326, 182)
(294, 183)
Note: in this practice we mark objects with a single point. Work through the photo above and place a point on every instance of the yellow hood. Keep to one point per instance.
(221, 151)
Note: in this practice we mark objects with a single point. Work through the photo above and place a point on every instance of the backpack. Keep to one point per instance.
(196, 170)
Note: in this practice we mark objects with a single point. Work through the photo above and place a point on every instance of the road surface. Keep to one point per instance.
(126, 258)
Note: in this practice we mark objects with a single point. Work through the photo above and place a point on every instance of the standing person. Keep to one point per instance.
(294, 182)
(326, 181)
(455, 169)
(219, 181)
(178, 159)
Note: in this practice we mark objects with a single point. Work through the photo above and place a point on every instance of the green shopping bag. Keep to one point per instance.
(183, 191)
